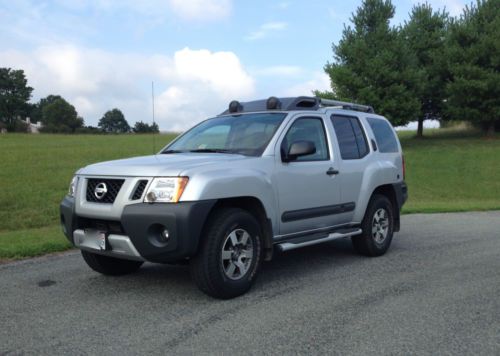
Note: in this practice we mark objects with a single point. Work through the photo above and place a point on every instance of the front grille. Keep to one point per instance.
(109, 226)
(112, 186)
(139, 190)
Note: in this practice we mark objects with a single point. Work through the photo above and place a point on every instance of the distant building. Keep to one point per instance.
(33, 127)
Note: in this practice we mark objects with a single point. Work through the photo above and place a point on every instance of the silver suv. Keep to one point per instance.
(266, 175)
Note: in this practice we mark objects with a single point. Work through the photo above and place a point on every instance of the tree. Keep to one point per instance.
(14, 96)
(142, 127)
(60, 116)
(373, 66)
(474, 61)
(113, 121)
(36, 109)
(425, 35)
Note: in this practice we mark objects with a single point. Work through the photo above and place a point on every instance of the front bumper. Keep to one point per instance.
(137, 235)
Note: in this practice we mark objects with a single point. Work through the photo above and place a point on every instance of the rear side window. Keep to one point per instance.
(350, 135)
(386, 140)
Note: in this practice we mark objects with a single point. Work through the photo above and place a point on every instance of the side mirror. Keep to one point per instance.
(298, 149)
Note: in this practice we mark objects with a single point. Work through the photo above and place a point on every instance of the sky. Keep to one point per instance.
(200, 54)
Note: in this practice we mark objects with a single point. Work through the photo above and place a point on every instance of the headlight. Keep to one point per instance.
(72, 186)
(166, 190)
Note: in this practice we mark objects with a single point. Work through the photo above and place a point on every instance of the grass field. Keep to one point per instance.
(446, 171)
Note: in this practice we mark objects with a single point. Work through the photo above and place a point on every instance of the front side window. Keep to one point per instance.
(307, 129)
(247, 134)
(350, 135)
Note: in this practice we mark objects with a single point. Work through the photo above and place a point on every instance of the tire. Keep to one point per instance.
(229, 255)
(110, 266)
(377, 226)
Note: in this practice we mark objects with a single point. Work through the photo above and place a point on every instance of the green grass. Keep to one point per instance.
(36, 170)
(32, 242)
(449, 170)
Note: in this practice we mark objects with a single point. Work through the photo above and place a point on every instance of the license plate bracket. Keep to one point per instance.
(97, 239)
(102, 240)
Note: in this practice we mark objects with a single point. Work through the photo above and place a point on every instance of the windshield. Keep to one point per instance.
(246, 134)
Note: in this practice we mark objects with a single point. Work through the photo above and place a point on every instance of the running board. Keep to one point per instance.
(287, 246)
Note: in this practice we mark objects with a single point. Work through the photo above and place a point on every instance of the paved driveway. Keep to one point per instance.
(437, 291)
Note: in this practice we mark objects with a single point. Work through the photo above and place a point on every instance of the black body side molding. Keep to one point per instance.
(309, 213)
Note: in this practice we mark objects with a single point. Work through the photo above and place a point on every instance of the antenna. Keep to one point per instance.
(153, 102)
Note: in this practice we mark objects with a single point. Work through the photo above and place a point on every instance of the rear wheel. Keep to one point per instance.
(109, 265)
(230, 254)
(377, 226)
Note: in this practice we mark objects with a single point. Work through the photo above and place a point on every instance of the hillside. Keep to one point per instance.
(446, 171)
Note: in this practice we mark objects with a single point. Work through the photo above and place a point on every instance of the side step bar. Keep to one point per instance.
(287, 246)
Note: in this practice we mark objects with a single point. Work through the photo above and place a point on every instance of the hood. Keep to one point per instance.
(166, 165)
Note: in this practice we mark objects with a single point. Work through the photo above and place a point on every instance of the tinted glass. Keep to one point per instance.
(351, 138)
(246, 134)
(307, 129)
(360, 137)
(386, 140)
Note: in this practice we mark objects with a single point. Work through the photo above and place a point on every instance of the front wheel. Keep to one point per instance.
(377, 226)
(109, 265)
(230, 254)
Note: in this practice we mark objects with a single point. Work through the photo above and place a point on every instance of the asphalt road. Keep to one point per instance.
(437, 291)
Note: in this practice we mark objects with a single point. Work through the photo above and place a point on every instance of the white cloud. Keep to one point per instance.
(319, 81)
(454, 7)
(191, 84)
(266, 29)
(206, 10)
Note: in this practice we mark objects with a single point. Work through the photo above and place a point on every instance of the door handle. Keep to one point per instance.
(331, 171)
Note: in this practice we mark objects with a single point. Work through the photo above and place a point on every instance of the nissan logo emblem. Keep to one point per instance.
(100, 190)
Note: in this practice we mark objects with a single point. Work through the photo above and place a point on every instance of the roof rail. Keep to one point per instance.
(345, 105)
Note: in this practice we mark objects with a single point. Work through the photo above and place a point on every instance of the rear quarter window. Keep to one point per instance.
(386, 139)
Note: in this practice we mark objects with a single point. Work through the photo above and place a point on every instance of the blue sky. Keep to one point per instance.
(200, 53)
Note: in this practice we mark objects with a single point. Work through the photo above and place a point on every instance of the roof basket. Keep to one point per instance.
(292, 104)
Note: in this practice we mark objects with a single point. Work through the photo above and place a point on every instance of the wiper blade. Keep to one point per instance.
(172, 151)
(212, 150)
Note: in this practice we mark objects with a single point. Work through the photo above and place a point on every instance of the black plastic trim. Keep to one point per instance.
(301, 214)
(143, 222)
(401, 190)
(67, 215)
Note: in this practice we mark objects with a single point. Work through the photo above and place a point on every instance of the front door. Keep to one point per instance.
(308, 189)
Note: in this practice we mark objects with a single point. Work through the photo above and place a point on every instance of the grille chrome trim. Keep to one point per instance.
(113, 188)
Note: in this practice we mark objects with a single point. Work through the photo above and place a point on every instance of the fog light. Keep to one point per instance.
(165, 235)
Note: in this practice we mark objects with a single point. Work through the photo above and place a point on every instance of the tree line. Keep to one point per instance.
(55, 113)
(431, 67)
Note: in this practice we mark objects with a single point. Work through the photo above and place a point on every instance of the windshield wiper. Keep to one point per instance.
(172, 151)
(212, 150)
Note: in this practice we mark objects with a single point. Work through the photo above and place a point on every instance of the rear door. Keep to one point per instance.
(307, 196)
(354, 155)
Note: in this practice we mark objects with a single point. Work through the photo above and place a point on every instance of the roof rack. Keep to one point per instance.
(292, 104)
(345, 105)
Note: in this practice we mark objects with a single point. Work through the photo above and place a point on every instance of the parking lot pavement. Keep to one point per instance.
(437, 291)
